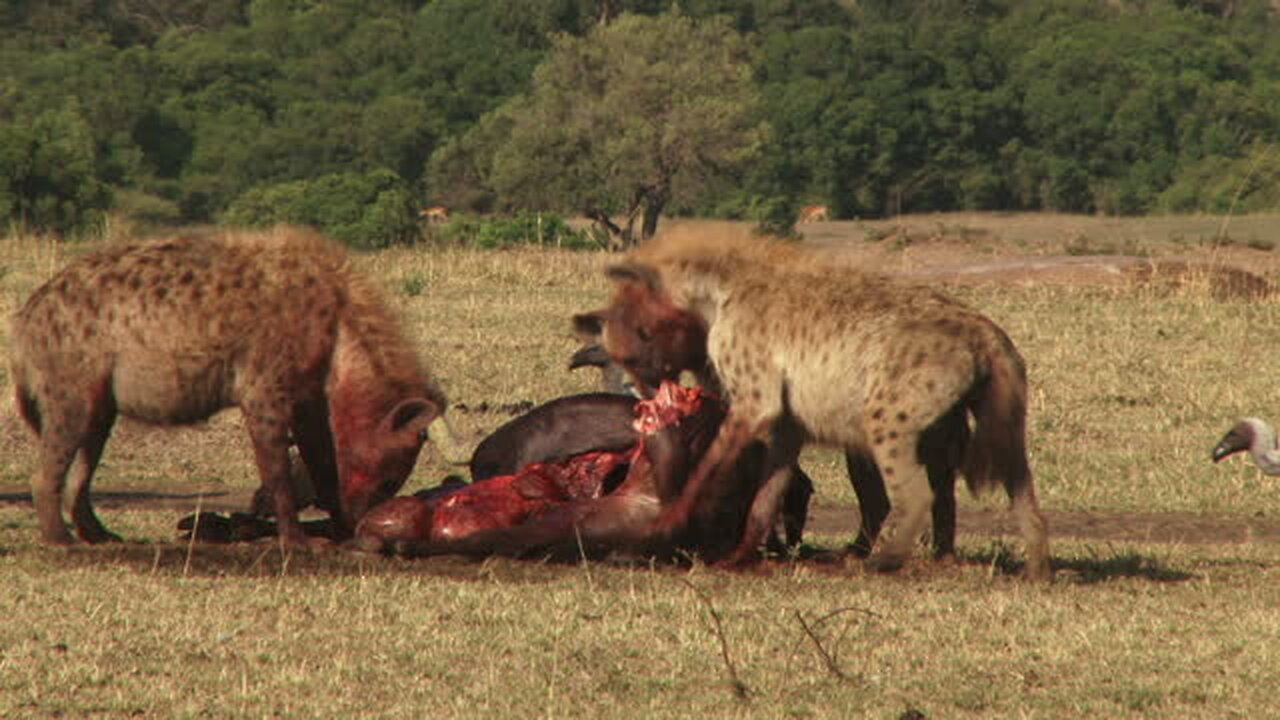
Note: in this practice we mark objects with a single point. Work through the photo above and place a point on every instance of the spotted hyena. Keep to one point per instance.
(808, 352)
(675, 342)
(170, 331)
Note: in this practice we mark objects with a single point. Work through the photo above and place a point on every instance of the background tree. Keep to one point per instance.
(636, 115)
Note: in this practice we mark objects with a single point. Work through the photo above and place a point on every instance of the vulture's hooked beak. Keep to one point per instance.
(1231, 443)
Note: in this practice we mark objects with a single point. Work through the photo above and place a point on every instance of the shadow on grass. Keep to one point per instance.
(266, 559)
(122, 498)
(1086, 570)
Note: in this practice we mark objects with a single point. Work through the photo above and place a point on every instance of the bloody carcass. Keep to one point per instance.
(593, 502)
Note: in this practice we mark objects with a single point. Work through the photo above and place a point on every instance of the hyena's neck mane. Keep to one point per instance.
(373, 360)
(388, 369)
(701, 271)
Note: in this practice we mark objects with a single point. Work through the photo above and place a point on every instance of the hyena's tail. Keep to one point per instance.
(997, 452)
(28, 405)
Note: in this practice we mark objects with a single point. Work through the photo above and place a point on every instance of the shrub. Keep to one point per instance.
(364, 210)
(774, 216)
(526, 228)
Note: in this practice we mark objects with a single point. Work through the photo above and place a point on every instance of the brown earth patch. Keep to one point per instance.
(1224, 282)
(1236, 259)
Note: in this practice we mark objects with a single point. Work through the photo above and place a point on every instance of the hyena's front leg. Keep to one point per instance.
(270, 439)
(784, 449)
(736, 432)
(315, 445)
(873, 503)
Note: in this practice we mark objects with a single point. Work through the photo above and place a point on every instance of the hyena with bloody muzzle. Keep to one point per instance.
(171, 331)
(807, 352)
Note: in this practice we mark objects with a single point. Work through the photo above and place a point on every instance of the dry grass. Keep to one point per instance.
(1130, 390)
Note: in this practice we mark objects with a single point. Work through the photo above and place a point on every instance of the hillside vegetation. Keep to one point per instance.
(353, 115)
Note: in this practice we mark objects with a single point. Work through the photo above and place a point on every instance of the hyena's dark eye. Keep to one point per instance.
(643, 334)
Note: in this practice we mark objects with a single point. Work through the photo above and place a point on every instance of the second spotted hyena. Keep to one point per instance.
(171, 331)
(809, 352)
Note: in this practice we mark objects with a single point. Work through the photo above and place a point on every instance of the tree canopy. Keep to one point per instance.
(634, 116)
(181, 110)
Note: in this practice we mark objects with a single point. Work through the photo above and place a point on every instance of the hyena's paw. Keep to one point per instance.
(1038, 570)
(54, 539)
(100, 535)
(860, 547)
(884, 562)
(740, 561)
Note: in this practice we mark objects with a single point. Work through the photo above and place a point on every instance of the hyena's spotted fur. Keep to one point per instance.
(810, 352)
(172, 330)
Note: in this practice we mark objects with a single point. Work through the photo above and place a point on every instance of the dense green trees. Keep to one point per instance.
(201, 110)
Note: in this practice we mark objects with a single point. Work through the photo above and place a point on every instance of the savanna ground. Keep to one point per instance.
(1165, 602)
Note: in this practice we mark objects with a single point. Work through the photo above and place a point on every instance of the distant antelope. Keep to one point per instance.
(811, 353)
(813, 213)
(435, 215)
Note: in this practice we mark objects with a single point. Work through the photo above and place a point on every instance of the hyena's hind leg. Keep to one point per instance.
(873, 503)
(101, 419)
(910, 497)
(54, 459)
(1034, 529)
(68, 422)
(56, 456)
(941, 449)
(63, 431)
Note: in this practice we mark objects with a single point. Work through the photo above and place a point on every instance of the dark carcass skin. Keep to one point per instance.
(556, 431)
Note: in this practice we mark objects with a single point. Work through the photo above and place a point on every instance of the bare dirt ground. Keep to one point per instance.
(1238, 261)
(1186, 528)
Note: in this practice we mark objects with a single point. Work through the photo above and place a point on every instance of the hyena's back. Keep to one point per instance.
(842, 349)
(173, 329)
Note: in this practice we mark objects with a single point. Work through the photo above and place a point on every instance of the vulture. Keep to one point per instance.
(1258, 438)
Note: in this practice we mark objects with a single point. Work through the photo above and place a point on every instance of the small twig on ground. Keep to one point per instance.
(586, 562)
(740, 689)
(841, 611)
(195, 530)
(261, 556)
(827, 658)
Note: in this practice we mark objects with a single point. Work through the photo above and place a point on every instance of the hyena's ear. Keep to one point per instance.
(589, 326)
(635, 273)
(410, 419)
(590, 356)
